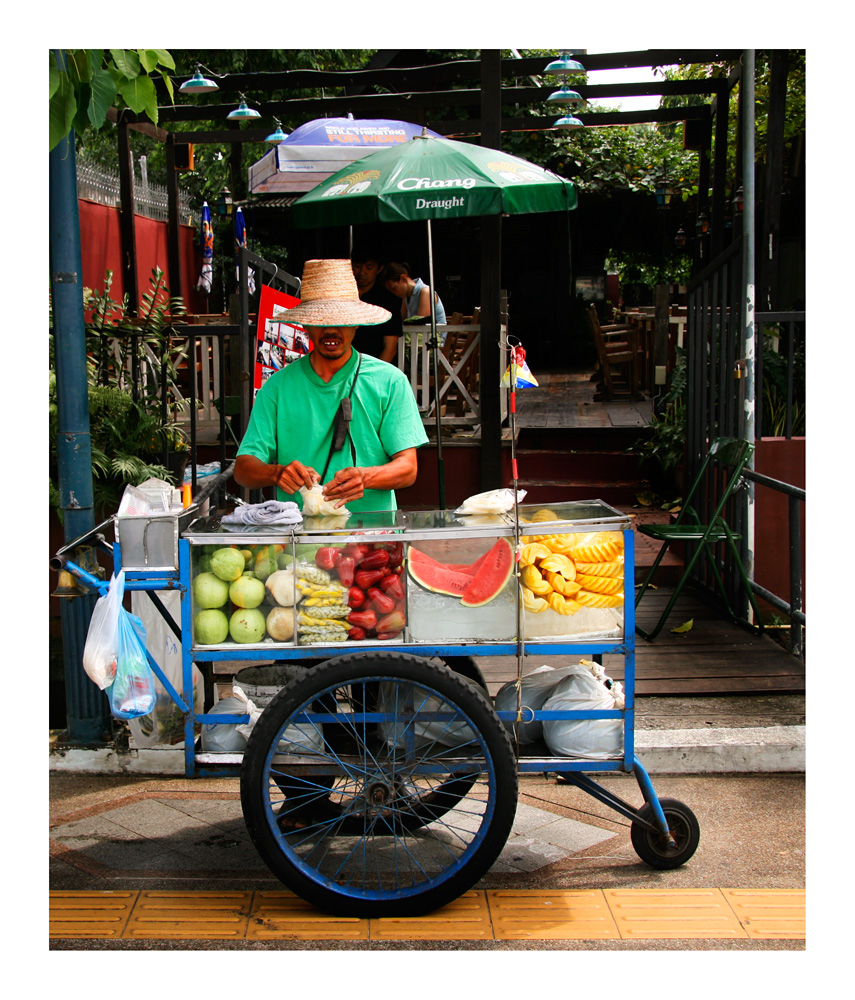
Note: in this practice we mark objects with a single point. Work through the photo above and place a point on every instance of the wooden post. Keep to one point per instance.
(705, 242)
(173, 221)
(720, 170)
(768, 249)
(491, 280)
(126, 218)
(661, 327)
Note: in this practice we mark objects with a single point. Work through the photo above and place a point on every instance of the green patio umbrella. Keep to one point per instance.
(433, 178)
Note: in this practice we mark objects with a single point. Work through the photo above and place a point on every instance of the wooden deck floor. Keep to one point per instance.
(716, 657)
(566, 399)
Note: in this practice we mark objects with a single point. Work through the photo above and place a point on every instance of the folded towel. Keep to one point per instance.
(270, 512)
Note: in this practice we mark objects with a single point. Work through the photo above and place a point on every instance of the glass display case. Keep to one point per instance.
(415, 578)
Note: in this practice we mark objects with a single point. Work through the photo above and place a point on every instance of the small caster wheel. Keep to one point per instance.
(653, 848)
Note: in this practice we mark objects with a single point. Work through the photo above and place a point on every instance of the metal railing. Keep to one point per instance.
(715, 342)
(151, 200)
(458, 389)
(794, 607)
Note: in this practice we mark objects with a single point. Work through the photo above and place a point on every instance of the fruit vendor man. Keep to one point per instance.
(299, 433)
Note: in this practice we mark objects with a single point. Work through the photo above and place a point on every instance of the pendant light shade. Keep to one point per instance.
(242, 112)
(564, 64)
(278, 135)
(198, 84)
(568, 122)
(566, 96)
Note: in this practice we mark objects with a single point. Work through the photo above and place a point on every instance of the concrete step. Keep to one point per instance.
(614, 492)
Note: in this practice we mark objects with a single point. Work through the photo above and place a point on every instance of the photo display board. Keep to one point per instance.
(278, 342)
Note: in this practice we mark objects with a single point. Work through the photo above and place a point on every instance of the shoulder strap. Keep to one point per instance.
(341, 423)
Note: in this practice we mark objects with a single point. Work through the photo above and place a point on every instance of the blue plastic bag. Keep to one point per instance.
(132, 693)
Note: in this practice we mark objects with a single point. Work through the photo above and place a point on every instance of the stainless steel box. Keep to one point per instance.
(150, 542)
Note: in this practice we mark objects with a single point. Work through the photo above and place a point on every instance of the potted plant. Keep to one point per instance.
(664, 447)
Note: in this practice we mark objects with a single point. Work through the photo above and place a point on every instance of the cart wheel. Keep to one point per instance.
(653, 847)
(395, 806)
(466, 667)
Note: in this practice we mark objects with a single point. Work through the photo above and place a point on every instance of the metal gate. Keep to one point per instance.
(715, 398)
(716, 406)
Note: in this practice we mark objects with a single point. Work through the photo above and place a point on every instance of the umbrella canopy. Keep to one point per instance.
(319, 148)
(206, 244)
(433, 178)
(240, 241)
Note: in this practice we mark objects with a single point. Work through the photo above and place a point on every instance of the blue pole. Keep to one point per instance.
(88, 715)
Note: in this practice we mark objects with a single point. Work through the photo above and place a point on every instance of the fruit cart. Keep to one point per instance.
(382, 779)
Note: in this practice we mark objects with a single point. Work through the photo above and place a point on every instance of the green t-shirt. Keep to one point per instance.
(294, 412)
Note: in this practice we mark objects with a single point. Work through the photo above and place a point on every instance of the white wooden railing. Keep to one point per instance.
(457, 365)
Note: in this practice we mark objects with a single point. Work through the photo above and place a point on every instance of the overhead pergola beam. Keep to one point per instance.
(392, 103)
(473, 126)
(458, 70)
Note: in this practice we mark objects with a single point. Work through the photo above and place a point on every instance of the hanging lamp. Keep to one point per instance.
(198, 84)
(565, 64)
(570, 98)
(566, 96)
(568, 122)
(242, 112)
(278, 135)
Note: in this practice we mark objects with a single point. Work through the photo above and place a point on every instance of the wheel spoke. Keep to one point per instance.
(395, 809)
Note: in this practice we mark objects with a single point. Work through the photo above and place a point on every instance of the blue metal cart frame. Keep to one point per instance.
(651, 820)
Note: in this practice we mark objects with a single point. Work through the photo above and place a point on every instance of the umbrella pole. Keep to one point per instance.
(440, 471)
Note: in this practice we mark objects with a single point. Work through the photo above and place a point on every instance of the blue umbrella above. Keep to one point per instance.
(206, 243)
(317, 149)
(240, 241)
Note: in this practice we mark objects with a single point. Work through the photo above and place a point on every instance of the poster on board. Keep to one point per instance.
(278, 342)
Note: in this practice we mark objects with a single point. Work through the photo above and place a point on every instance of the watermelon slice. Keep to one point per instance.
(494, 571)
(476, 584)
(436, 576)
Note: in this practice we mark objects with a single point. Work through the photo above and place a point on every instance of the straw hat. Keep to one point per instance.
(329, 297)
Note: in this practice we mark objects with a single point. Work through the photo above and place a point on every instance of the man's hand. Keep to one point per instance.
(346, 484)
(351, 483)
(291, 477)
(254, 474)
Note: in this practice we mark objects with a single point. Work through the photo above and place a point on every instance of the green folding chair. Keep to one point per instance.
(732, 456)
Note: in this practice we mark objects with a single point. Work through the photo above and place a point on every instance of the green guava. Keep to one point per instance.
(247, 592)
(247, 625)
(209, 591)
(210, 627)
(227, 564)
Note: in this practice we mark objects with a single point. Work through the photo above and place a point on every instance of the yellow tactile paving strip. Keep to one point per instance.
(491, 915)
(769, 913)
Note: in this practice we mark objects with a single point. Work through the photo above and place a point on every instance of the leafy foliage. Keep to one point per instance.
(86, 83)
(666, 443)
(130, 428)
(776, 377)
(794, 118)
(648, 268)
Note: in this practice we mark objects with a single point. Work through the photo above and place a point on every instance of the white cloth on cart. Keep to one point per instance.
(269, 512)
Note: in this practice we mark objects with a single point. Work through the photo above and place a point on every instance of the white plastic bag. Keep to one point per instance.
(164, 725)
(102, 639)
(536, 687)
(224, 737)
(314, 504)
(593, 739)
(491, 502)
(297, 738)
(453, 733)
